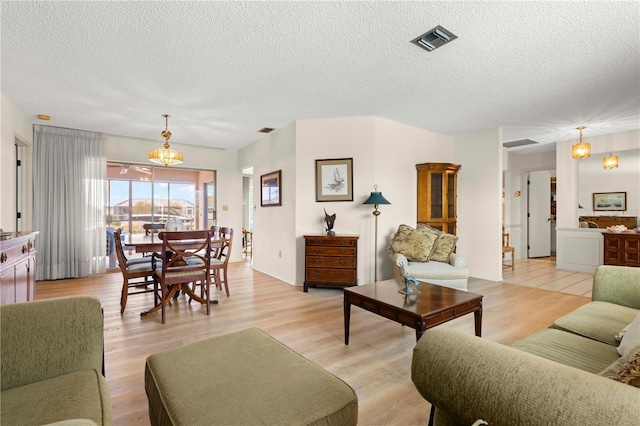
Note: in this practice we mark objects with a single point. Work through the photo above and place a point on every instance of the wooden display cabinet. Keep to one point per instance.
(437, 195)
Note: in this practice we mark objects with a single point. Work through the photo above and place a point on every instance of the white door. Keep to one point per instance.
(539, 225)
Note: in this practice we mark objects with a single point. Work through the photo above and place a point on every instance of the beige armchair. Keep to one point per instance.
(453, 274)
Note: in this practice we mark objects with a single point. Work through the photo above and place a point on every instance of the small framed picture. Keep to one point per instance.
(609, 201)
(271, 189)
(334, 180)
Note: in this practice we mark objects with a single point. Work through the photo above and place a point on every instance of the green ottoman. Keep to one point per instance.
(244, 378)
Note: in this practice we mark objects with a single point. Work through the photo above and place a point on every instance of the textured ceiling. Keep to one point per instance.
(224, 70)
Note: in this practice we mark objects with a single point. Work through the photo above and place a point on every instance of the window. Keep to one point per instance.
(139, 194)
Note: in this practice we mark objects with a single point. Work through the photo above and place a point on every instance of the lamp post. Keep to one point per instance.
(376, 199)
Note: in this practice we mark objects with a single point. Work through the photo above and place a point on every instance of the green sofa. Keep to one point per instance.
(554, 377)
(52, 363)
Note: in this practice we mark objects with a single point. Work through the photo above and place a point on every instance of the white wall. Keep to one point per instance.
(274, 228)
(480, 201)
(616, 181)
(15, 126)
(567, 171)
(384, 153)
(224, 162)
(398, 148)
(589, 256)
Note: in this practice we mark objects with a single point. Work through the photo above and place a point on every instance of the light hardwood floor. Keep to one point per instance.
(542, 273)
(376, 363)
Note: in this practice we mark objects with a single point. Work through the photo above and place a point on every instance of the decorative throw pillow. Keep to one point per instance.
(444, 244)
(620, 335)
(626, 369)
(631, 338)
(444, 247)
(414, 245)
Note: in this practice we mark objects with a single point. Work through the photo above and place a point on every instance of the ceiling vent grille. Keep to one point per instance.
(521, 142)
(434, 38)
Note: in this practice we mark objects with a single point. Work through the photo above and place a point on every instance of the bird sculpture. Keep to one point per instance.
(408, 279)
(330, 220)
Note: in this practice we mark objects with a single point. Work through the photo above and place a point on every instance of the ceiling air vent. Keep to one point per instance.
(434, 38)
(521, 142)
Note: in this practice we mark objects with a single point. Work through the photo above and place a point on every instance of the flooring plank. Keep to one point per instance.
(376, 363)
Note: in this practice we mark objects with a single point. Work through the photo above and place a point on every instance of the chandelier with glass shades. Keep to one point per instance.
(610, 161)
(581, 150)
(165, 156)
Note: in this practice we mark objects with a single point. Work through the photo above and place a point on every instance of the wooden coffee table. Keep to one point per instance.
(435, 305)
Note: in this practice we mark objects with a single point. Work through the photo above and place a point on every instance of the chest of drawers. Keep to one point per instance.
(330, 261)
(18, 268)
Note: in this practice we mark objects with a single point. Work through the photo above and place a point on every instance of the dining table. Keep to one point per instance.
(152, 243)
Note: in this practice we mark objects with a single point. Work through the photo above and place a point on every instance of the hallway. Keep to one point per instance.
(542, 273)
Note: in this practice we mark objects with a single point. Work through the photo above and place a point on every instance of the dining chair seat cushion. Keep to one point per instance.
(145, 259)
(217, 262)
(195, 261)
(140, 267)
(244, 378)
(180, 273)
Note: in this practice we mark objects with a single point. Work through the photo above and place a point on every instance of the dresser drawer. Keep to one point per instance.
(330, 251)
(330, 262)
(338, 276)
(327, 241)
(16, 252)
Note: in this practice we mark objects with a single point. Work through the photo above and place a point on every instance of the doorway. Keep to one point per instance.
(247, 212)
(541, 224)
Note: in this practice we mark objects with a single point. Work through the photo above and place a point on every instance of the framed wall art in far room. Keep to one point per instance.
(609, 201)
(271, 189)
(334, 179)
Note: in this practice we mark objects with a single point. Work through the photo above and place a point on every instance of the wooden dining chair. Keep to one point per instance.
(219, 264)
(190, 262)
(507, 249)
(247, 241)
(215, 235)
(136, 274)
(152, 227)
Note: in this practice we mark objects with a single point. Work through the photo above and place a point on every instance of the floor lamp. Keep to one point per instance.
(376, 198)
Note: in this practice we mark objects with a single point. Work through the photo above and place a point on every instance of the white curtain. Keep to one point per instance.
(69, 199)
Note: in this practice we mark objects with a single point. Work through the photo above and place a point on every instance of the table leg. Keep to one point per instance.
(478, 321)
(347, 319)
(174, 289)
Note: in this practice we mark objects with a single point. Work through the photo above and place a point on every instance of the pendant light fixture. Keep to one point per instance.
(581, 150)
(166, 156)
(610, 162)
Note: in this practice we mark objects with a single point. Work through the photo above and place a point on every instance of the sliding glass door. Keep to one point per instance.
(178, 198)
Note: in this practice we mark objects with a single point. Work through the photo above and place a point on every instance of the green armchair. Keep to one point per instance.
(52, 362)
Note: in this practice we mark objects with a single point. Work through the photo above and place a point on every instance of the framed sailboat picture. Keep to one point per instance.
(270, 194)
(334, 180)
